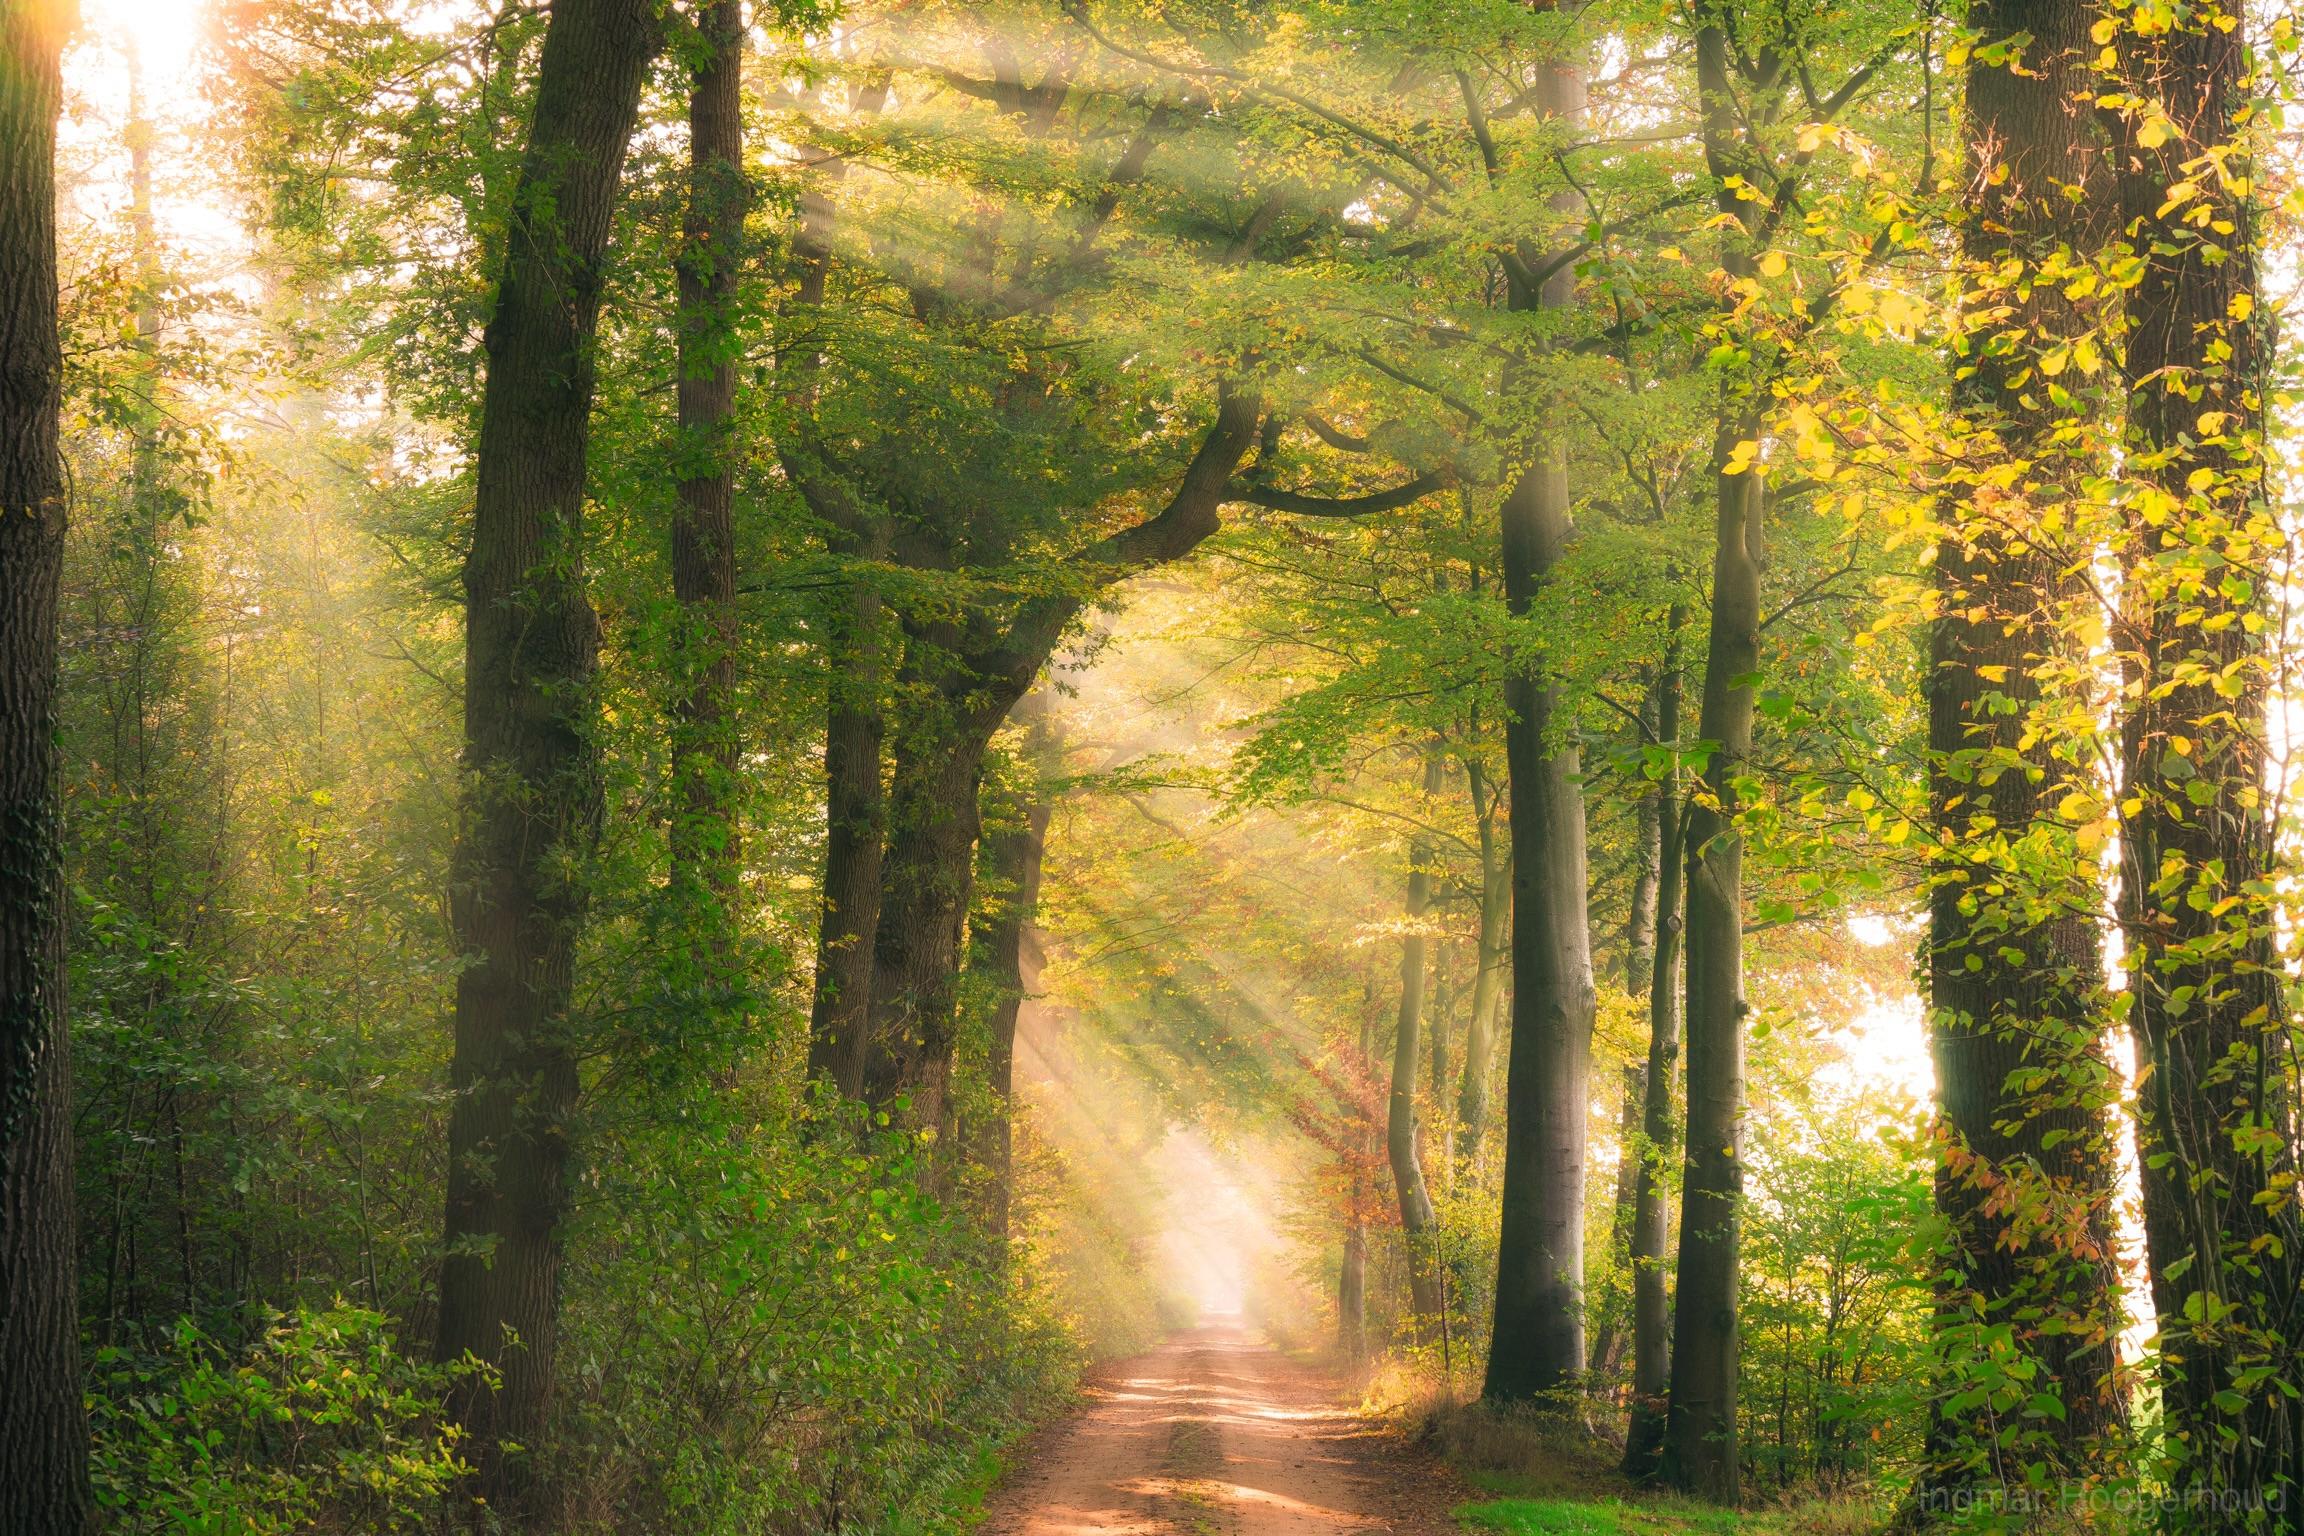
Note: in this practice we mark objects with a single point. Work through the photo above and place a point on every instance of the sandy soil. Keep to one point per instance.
(1218, 1434)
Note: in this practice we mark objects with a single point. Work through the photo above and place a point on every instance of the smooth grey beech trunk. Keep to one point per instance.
(1536, 1347)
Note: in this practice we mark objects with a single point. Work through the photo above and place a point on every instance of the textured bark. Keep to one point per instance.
(1495, 957)
(705, 845)
(925, 885)
(1418, 1222)
(2014, 964)
(2217, 1123)
(1651, 1201)
(1002, 951)
(1536, 1348)
(531, 781)
(43, 1430)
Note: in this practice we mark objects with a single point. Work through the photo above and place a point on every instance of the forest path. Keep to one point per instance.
(1216, 1433)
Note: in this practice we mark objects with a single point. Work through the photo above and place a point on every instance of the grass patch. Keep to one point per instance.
(1607, 1517)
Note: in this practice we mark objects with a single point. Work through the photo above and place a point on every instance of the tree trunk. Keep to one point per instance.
(1495, 956)
(1636, 958)
(1352, 1284)
(2012, 991)
(531, 781)
(856, 658)
(971, 680)
(705, 850)
(1418, 1223)
(43, 1429)
(926, 879)
(1651, 1201)
(1700, 1454)
(1536, 1348)
(1000, 939)
(1700, 1446)
(855, 840)
(2217, 1126)
(1440, 1052)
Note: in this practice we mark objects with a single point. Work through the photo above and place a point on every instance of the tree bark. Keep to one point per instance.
(43, 1429)
(1536, 1349)
(1418, 1222)
(926, 881)
(855, 840)
(856, 654)
(532, 795)
(2217, 1121)
(1636, 958)
(2014, 963)
(706, 848)
(1495, 957)
(1001, 943)
(1352, 1283)
(1700, 1451)
(1651, 1202)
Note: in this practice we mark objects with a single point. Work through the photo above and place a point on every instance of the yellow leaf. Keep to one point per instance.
(1772, 264)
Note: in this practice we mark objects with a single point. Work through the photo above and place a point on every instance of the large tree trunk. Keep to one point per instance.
(531, 781)
(1651, 1200)
(1000, 945)
(1418, 1222)
(1700, 1451)
(1536, 1348)
(2015, 968)
(926, 880)
(1700, 1445)
(43, 1430)
(1495, 958)
(2216, 1115)
(705, 849)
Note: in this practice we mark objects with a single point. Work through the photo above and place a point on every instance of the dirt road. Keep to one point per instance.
(1218, 1434)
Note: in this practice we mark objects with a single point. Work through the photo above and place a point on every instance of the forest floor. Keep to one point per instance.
(1217, 1433)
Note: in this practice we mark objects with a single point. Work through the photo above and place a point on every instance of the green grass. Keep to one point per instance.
(1606, 1517)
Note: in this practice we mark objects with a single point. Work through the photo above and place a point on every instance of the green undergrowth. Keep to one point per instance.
(1602, 1517)
(1539, 1478)
(1633, 1514)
